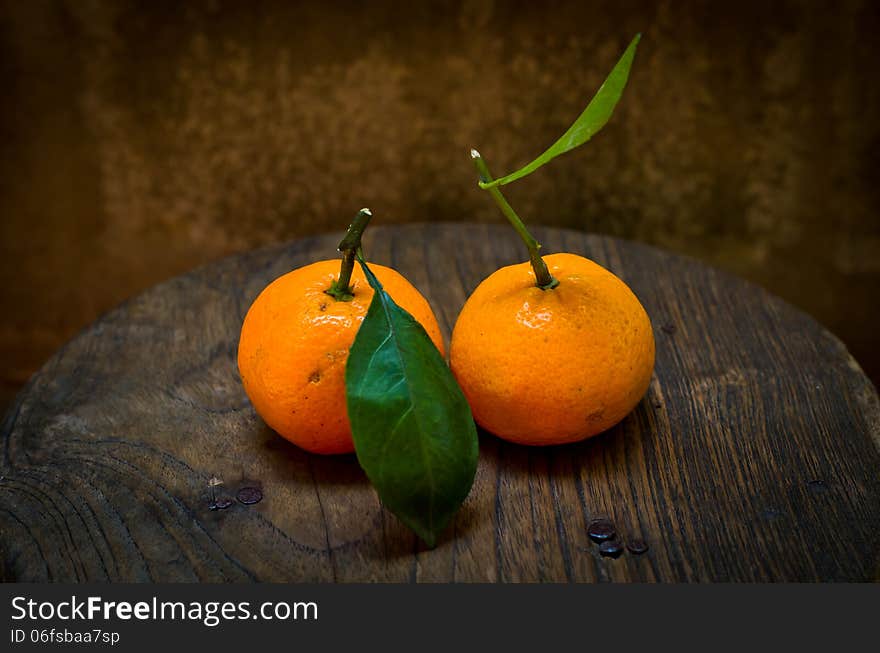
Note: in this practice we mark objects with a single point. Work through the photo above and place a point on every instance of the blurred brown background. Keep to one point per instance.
(140, 139)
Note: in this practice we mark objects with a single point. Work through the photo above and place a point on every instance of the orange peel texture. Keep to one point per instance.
(542, 367)
(294, 345)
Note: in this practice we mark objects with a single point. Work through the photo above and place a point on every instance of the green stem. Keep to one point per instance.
(543, 279)
(340, 289)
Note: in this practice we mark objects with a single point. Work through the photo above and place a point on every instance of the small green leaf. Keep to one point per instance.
(412, 427)
(593, 118)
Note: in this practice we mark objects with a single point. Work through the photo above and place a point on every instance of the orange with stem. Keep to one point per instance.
(550, 351)
(295, 340)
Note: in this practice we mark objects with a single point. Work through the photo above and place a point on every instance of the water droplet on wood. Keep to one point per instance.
(600, 530)
(221, 504)
(637, 547)
(610, 548)
(249, 495)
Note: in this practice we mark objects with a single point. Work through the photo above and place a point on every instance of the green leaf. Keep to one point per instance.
(412, 427)
(593, 118)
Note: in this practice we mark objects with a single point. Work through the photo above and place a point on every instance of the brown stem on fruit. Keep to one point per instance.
(340, 289)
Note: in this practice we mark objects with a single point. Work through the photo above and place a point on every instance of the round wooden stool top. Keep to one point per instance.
(753, 457)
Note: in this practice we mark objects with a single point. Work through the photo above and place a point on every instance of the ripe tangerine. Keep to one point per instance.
(294, 345)
(542, 367)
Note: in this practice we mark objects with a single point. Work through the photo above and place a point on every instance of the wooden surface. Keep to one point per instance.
(754, 455)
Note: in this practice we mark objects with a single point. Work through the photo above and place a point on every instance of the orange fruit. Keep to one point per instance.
(294, 345)
(543, 367)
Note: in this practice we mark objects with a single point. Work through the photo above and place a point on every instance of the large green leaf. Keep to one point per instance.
(593, 118)
(412, 427)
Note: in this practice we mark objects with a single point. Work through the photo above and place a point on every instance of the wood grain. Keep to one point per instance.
(753, 457)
